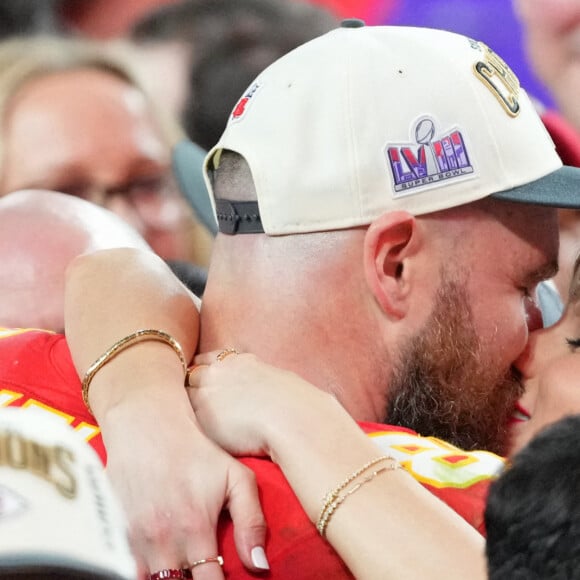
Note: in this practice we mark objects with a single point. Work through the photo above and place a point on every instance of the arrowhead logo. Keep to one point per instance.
(11, 503)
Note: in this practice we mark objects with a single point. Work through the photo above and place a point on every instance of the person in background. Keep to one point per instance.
(30, 17)
(75, 119)
(550, 30)
(41, 232)
(215, 48)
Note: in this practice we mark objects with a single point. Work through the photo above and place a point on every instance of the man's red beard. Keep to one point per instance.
(447, 385)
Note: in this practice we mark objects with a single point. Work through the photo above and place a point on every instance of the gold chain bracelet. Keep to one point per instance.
(333, 498)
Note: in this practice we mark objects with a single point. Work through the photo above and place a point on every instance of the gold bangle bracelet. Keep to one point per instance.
(121, 345)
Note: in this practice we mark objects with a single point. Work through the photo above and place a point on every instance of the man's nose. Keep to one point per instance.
(535, 324)
(535, 354)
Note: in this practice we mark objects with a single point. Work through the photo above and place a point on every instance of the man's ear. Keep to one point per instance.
(391, 240)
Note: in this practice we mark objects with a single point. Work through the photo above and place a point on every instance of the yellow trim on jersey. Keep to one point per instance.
(436, 462)
(87, 430)
(34, 404)
(8, 397)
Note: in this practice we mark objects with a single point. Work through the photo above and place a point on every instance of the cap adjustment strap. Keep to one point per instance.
(238, 217)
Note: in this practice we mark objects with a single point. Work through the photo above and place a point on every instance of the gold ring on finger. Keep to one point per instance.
(225, 353)
(217, 559)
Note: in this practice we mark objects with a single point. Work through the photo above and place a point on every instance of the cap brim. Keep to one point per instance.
(188, 161)
(44, 567)
(561, 188)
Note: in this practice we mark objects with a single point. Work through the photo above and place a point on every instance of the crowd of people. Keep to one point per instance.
(340, 344)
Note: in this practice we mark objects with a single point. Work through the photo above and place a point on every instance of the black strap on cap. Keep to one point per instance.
(238, 217)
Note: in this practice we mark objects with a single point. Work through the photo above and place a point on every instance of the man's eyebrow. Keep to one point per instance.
(544, 272)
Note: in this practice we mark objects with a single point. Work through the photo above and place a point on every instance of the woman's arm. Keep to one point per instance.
(389, 527)
(158, 458)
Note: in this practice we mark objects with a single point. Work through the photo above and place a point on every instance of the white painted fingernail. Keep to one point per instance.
(259, 558)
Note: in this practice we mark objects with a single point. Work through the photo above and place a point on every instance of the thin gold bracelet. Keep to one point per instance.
(333, 493)
(333, 498)
(121, 345)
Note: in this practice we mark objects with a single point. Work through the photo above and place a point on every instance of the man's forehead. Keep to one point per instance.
(537, 228)
(535, 224)
(523, 238)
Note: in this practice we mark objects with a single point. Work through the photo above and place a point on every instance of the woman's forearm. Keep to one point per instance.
(161, 464)
(390, 526)
(111, 294)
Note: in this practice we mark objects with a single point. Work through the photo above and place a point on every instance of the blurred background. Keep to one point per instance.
(492, 21)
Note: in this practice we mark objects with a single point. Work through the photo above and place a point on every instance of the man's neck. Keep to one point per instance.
(332, 356)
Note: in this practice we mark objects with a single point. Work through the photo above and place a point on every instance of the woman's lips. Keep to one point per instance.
(519, 415)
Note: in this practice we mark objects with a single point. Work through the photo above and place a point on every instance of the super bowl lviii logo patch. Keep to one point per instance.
(431, 159)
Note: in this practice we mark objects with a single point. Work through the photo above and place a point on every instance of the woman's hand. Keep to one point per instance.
(244, 404)
(173, 483)
(172, 480)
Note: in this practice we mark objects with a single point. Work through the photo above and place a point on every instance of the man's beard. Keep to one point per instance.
(447, 385)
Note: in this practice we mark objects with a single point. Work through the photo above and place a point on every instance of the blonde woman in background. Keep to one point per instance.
(76, 119)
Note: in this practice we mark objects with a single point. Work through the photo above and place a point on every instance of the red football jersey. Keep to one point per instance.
(36, 373)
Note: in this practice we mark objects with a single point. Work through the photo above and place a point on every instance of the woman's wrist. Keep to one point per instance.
(146, 370)
(295, 419)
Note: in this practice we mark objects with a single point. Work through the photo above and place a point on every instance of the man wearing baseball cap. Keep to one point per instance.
(385, 199)
(403, 181)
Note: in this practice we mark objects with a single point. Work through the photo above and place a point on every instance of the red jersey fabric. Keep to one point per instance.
(36, 373)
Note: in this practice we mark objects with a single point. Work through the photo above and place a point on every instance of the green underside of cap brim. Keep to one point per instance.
(560, 188)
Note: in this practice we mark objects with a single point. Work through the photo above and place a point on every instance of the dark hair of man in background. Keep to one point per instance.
(27, 17)
(231, 42)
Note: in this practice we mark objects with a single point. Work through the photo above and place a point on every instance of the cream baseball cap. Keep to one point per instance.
(365, 119)
(58, 515)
